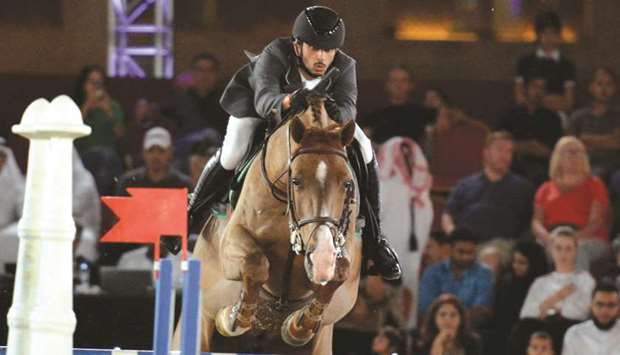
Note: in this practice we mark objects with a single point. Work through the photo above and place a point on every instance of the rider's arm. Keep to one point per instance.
(268, 95)
(344, 92)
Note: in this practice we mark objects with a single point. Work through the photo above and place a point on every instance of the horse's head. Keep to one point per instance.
(321, 189)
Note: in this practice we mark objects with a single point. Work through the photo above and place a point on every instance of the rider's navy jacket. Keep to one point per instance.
(258, 88)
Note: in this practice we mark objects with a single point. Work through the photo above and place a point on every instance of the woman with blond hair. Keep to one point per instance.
(573, 197)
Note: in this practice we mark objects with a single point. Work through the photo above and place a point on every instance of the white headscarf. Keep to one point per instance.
(12, 185)
(86, 209)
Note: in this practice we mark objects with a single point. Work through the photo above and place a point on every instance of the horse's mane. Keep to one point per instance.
(323, 130)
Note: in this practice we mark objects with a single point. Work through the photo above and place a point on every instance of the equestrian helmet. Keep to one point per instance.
(320, 27)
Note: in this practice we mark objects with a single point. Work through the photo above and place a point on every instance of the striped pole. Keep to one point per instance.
(164, 309)
(190, 323)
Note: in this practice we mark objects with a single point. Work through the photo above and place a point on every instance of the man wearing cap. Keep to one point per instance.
(157, 172)
(274, 82)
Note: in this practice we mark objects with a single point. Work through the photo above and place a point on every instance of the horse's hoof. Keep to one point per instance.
(224, 321)
(291, 323)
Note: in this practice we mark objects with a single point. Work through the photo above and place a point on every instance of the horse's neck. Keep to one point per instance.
(277, 155)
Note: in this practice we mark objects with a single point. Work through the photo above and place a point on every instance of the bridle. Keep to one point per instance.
(338, 227)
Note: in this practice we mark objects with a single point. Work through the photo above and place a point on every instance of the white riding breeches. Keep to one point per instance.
(240, 133)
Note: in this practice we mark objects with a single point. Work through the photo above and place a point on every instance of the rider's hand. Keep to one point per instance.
(333, 111)
(299, 100)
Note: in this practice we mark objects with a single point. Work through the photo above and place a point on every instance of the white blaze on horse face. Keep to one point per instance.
(321, 173)
(323, 257)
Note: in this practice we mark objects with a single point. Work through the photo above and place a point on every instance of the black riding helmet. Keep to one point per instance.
(320, 27)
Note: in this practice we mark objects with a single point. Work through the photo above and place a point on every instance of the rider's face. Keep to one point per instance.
(315, 60)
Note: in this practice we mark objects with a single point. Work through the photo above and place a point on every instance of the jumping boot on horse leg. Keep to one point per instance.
(211, 187)
(380, 252)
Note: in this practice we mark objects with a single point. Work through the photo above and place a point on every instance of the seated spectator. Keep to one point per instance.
(494, 257)
(541, 343)
(436, 99)
(12, 185)
(142, 259)
(378, 304)
(104, 115)
(494, 203)
(598, 125)
(157, 173)
(528, 263)
(86, 211)
(200, 154)
(559, 72)
(461, 276)
(601, 334)
(145, 116)
(574, 197)
(557, 300)
(401, 117)
(609, 268)
(437, 249)
(535, 130)
(198, 106)
(446, 330)
(388, 341)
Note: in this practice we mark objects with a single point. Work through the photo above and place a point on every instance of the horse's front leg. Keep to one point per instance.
(243, 261)
(301, 326)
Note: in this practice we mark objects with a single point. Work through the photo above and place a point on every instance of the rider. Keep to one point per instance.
(279, 80)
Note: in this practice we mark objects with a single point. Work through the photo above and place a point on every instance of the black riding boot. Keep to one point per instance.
(212, 186)
(379, 250)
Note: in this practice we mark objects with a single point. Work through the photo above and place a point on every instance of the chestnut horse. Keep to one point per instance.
(286, 262)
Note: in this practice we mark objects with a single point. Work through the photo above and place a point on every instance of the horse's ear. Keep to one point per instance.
(297, 129)
(347, 133)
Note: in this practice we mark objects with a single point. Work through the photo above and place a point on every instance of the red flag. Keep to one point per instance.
(148, 214)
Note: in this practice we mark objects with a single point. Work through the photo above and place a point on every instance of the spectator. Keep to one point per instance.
(86, 211)
(445, 329)
(598, 125)
(558, 72)
(494, 203)
(528, 263)
(142, 259)
(105, 116)
(145, 116)
(378, 304)
(461, 276)
(437, 249)
(573, 196)
(601, 334)
(388, 342)
(494, 257)
(401, 117)
(609, 268)
(200, 154)
(157, 173)
(541, 343)
(198, 107)
(12, 185)
(535, 130)
(557, 300)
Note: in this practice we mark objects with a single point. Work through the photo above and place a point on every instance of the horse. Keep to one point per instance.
(286, 261)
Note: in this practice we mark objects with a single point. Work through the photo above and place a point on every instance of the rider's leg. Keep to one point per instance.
(216, 177)
(379, 250)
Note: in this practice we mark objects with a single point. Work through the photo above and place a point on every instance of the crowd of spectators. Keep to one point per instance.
(521, 259)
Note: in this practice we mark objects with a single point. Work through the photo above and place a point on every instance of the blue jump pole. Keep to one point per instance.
(164, 309)
(190, 323)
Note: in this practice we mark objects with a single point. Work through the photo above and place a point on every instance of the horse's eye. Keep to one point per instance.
(296, 181)
(348, 184)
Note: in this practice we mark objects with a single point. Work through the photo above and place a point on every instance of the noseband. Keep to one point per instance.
(338, 227)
